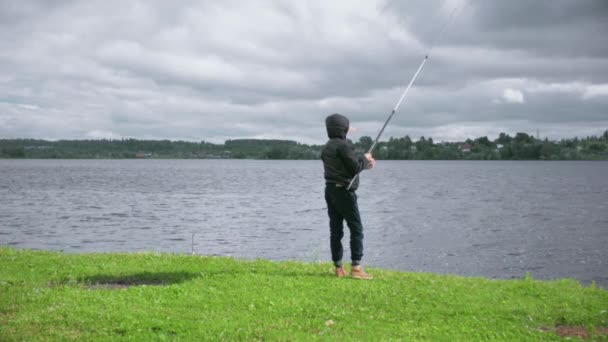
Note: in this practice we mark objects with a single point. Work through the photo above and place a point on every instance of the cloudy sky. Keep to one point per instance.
(217, 70)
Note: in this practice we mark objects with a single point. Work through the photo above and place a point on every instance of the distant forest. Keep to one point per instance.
(522, 146)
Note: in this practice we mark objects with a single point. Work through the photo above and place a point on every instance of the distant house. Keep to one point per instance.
(37, 147)
(499, 146)
(143, 155)
(465, 148)
(413, 148)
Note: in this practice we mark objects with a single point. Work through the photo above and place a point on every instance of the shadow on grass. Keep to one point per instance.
(112, 281)
(123, 281)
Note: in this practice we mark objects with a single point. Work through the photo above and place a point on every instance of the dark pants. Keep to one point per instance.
(342, 205)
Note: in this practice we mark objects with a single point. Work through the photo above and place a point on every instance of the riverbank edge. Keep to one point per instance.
(142, 296)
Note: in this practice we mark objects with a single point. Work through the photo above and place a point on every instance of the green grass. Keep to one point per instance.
(149, 297)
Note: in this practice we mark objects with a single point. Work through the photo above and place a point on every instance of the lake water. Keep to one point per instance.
(475, 218)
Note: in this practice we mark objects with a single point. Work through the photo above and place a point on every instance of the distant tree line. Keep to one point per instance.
(522, 146)
(133, 148)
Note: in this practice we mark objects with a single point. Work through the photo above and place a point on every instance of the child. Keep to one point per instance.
(341, 164)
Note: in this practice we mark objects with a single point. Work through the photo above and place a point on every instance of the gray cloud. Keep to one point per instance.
(274, 69)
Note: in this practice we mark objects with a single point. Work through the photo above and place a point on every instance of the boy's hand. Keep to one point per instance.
(370, 160)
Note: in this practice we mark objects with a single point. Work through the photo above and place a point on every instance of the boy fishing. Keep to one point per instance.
(341, 164)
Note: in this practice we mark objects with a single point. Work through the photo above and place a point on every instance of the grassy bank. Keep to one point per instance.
(50, 296)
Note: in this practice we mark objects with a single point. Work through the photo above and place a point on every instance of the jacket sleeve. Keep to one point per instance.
(354, 162)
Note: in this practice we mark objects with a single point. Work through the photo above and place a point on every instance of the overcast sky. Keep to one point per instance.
(217, 70)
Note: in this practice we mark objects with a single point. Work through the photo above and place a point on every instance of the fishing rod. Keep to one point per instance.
(426, 58)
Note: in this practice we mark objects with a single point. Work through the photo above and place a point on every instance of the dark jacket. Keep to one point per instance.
(340, 161)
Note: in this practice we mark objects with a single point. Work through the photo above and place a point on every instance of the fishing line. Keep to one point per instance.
(426, 58)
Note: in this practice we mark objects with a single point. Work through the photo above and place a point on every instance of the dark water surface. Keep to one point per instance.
(492, 219)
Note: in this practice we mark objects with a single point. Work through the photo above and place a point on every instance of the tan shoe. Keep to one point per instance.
(340, 272)
(357, 272)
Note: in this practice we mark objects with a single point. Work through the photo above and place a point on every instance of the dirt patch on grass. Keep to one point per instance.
(124, 281)
(576, 331)
(107, 287)
(116, 286)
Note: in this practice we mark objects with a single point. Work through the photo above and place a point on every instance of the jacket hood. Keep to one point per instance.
(337, 126)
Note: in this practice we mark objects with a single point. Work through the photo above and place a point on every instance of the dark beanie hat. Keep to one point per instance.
(337, 125)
